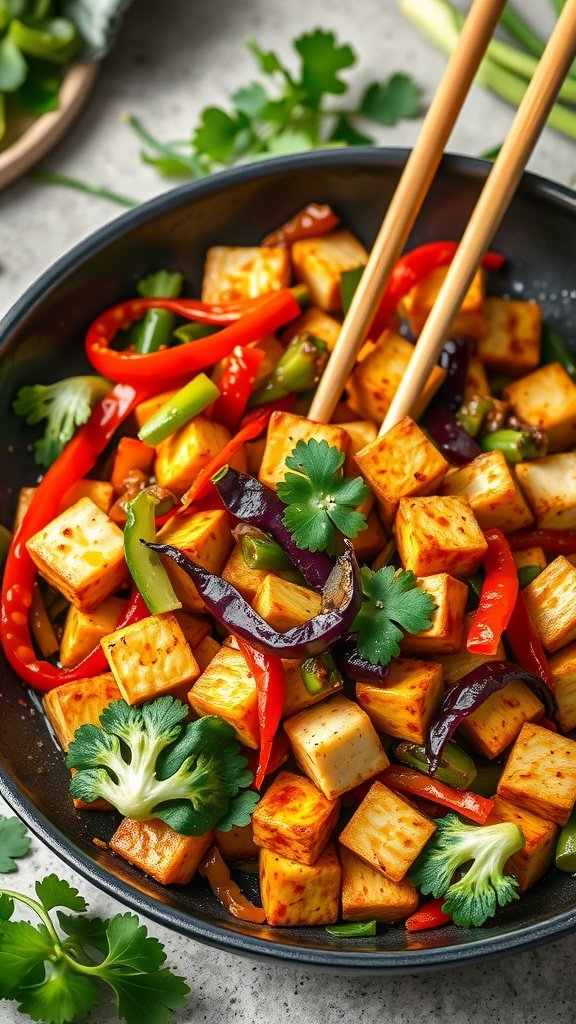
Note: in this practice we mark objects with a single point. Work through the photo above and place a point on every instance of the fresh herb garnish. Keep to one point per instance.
(14, 843)
(320, 499)
(148, 764)
(393, 605)
(65, 405)
(52, 973)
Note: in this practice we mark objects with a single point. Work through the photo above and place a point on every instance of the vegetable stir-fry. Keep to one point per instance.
(344, 658)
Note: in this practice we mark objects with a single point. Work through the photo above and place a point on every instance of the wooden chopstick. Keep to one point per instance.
(490, 209)
(407, 200)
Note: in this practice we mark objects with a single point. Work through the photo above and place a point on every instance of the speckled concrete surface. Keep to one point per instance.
(166, 67)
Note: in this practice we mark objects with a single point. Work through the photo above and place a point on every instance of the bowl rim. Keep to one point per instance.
(365, 962)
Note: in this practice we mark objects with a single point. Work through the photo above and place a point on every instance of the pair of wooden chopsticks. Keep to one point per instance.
(411, 192)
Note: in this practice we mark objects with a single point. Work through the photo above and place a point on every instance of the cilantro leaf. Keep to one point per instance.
(130, 945)
(393, 605)
(268, 61)
(14, 843)
(60, 998)
(146, 997)
(82, 930)
(345, 133)
(388, 102)
(320, 499)
(219, 135)
(23, 950)
(56, 892)
(251, 101)
(322, 59)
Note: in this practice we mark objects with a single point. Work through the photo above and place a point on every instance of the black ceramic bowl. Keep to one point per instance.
(41, 339)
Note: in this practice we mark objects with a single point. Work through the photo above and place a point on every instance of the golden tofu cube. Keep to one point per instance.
(204, 651)
(374, 382)
(476, 380)
(237, 844)
(319, 263)
(317, 323)
(469, 322)
(150, 406)
(563, 667)
(294, 818)
(446, 634)
(194, 627)
(77, 703)
(405, 706)
(401, 463)
(159, 851)
(550, 487)
(227, 688)
(297, 697)
(530, 556)
(439, 534)
(537, 854)
(81, 554)
(497, 722)
(83, 631)
(368, 895)
(370, 541)
(298, 894)
(150, 658)
(459, 664)
(181, 456)
(25, 495)
(336, 745)
(495, 498)
(387, 832)
(284, 432)
(101, 492)
(551, 600)
(540, 773)
(206, 539)
(511, 343)
(546, 399)
(254, 453)
(284, 604)
(246, 580)
(233, 272)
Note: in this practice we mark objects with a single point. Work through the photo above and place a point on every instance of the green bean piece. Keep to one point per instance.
(515, 445)
(179, 409)
(297, 370)
(349, 281)
(157, 324)
(566, 848)
(355, 929)
(471, 415)
(193, 332)
(320, 674)
(486, 780)
(457, 768)
(261, 552)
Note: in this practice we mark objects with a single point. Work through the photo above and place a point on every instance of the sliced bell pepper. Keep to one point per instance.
(216, 873)
(268, 672)
(525, 642)
(429, 915)
(553, 542)
(497, 598)
(463, 801)
(235, 385)
(315, 219)
(278, 755)
(144, 565)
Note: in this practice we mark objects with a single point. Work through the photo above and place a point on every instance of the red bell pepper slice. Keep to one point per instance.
(553, 542)
(278, 755)
(526, 644)
(497, 597)
(429, 915)
(261, 317)
(235, 385)
(268, 672)
(412, 268)
(315, 219)
(76, 460)
(408, 780)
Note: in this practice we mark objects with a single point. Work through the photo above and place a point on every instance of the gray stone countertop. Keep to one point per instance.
(171, 60)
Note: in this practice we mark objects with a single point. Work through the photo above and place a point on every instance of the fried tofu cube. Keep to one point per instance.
(497, 722)
(204, 651)
(237, 844)
(159, 851)
(439, 534)
(206, 539)
(563, 667)
(530, 556)
(181, 456)
(387, 832)
(401, 463)
(374, 382)
(150, 406)
(300, 894)
(316, 322)
(284, 432)
(511, 343)
(470, 321)
(495, 498)
(368, 895)
(227, 688)
(462, 662)
(336, 745)
(405, 706)
(319, 263)
(285, 604)
(371, 540)
(81, 554)
(476, 380)
(551, 600)
(233, 272)
(240, 575)
(83, 631)
(150, 658)
(101, 492)
(77, 703)
(297, 696)
(540, 773)
(537, 854)
(194, 627)
(550, 487)
(546, 399)
(446, 634)
(294, 818)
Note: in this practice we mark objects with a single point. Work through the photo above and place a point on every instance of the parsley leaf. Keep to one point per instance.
(320, 499)
(59, 998)
(322, 59)
(393, 604)
(14, 843)
(388, 102)
(56, 892)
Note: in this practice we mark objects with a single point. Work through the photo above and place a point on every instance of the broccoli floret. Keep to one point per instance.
(65, 405)
(148, 764)
(484, 886)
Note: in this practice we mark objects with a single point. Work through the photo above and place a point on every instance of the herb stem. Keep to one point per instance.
(47, 178)
(39, 910)
(192, 163)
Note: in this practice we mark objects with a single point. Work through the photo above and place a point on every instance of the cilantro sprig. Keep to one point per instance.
(54, 973)
(320, 499)
(393, 604)
(14, 843)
